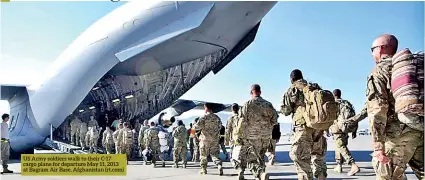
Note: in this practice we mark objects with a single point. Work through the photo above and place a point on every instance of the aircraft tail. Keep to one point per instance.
(8, 91)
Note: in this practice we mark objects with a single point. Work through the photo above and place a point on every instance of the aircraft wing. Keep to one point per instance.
(182, 105)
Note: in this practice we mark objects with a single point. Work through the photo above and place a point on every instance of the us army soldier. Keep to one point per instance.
(92, 122)
(108, 140)
(92, 139)
(151, 140)
(180, 145)
(66, 128)
(237, 154)
(126, 138)
(142, 130)
(196, 156)
(230, 126)
(75, 126)
(137, 126)
(209, 125)
(395, 144)
(256, 120)
(83, 134)
(118, 149)
(308, 144)
(4, 143)
(342, 152)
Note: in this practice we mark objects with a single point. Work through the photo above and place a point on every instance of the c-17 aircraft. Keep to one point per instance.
(137, 60)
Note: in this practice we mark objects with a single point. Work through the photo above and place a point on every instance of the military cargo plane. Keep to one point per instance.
(136, 61)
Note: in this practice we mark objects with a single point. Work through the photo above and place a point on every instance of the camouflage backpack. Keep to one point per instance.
(94, 133)
(346, 110)
(321, 107)
(128, 136)
(407, 85)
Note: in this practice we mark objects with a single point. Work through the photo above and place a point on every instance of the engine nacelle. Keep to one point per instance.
(164, 119)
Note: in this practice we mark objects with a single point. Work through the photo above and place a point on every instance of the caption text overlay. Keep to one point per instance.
(73, 165)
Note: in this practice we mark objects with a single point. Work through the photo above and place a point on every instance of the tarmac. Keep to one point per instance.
(282, 169)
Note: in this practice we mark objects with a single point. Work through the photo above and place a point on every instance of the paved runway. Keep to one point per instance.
(283, 169)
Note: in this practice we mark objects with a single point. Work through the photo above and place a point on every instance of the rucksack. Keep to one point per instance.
(321, 109)
(94, 133)
(128, 136)
(407, 85)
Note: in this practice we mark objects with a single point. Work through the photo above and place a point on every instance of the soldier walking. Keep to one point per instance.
(398, 137)
(180, 145)
(5, 145)
(209, 125)
(75, 126)
(118, 149)
(108, 140)
(309, 145)
(126, 137)
(346, 110)
(254, 131)
(151, 140)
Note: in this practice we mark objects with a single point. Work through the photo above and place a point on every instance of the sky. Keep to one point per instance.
(329, 41)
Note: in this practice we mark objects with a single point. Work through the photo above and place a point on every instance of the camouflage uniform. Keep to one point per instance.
(209, 125)
(341, 139)
(118, 149)
(66, 130)
(230, 126)
(308, 145)
(400, 143)
(92, 123)
(180, 145)
(108, 140)
(256, 120)
(151, 140)
(141, 139)
(4, 147)
(92, 139)
(196, 153)
(236, 150)
(83, 134)
(126, 138)
(362, 115)
(75, 126)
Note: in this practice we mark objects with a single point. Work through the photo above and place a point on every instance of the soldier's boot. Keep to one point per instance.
(220, 170)
(153, 164)
(264, 176)
(176, 165)
(338, 168)
(145, 162)
(203, 171)
(163, 164)
(5, 170)
(240, 175)
(354, 169)
(184, 165)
